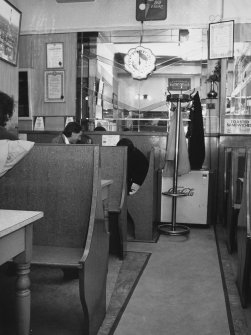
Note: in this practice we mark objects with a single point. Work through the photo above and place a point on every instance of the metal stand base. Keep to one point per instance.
(177, 230)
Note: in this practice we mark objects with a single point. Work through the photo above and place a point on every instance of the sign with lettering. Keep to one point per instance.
(150, 10)
(178, 84)
(221, 39)
(238, 126)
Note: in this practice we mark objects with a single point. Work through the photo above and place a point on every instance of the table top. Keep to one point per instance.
(11, 220)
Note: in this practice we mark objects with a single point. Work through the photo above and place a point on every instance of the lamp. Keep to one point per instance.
(212, 94)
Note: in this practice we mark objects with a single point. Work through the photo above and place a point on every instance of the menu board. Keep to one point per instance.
(237, 126)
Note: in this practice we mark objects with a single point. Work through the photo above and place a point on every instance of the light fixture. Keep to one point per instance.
(212, 94)
(143, 97)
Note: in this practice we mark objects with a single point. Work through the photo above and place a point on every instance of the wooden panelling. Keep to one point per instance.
(26, 51)
(33, 54)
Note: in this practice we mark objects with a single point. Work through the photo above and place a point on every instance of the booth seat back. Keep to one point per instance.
(244, 237)
(64, 182)
(57, 180)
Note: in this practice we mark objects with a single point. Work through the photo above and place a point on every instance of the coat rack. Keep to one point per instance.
(175, 229)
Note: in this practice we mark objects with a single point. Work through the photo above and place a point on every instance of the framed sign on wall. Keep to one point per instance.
(54, 55)
(10, 21)
(54, 86)
(221, 40)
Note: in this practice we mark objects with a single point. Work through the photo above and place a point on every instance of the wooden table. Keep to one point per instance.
(16, 243)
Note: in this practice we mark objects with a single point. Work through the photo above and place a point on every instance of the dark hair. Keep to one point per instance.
(6, 108)
(85, 139)
(72, 127)
(125, 142)
(99, 128)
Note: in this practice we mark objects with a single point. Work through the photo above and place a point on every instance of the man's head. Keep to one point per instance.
(73, 132)
(6, 108)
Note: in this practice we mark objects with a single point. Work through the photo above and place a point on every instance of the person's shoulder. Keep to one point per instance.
(58, 139)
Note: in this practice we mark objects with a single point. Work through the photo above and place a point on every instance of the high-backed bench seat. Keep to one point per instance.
(114, 167)
(145, 205)
(236, 157)
(142, 205)
(244, 237)
(63, 181)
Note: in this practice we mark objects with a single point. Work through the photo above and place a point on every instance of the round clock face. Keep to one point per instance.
(140, 62)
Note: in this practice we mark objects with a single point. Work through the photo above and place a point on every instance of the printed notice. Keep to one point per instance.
(54, 86)
(238, 126)
(54, 55)
(110, 140)
(221, 40)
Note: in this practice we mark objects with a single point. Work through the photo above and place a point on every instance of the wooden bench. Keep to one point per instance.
(236, 158)
(142, 205)
(114, 166)
(244, 237)
(149, 198)
(63, 181)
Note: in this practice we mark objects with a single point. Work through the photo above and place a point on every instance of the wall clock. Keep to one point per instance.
(140, 62)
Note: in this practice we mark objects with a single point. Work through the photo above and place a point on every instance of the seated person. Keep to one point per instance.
(137, 166)
(85, 139)
(70, 135)
(6, 112)
(99, 128)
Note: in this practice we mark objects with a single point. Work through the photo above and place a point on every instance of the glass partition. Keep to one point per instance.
(112, 98)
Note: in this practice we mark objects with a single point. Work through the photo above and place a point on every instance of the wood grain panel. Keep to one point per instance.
(35, 45)
(49, 180)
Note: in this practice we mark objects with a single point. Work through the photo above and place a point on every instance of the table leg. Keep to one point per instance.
(23, 300)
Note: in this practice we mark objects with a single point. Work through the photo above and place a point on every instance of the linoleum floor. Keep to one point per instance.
(181, 291)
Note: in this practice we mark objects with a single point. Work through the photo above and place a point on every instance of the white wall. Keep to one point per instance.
(43, 16)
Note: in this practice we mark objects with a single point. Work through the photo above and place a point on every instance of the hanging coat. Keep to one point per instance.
(183, 159)
(195, 135)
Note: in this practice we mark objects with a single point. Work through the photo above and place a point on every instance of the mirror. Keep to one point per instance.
(124, 103)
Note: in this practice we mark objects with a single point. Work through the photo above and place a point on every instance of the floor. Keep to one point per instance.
(182, 292)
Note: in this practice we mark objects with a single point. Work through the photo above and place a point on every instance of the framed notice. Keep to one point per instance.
(10, 20)
(54, 55)
(221, 40)
(54, 86)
